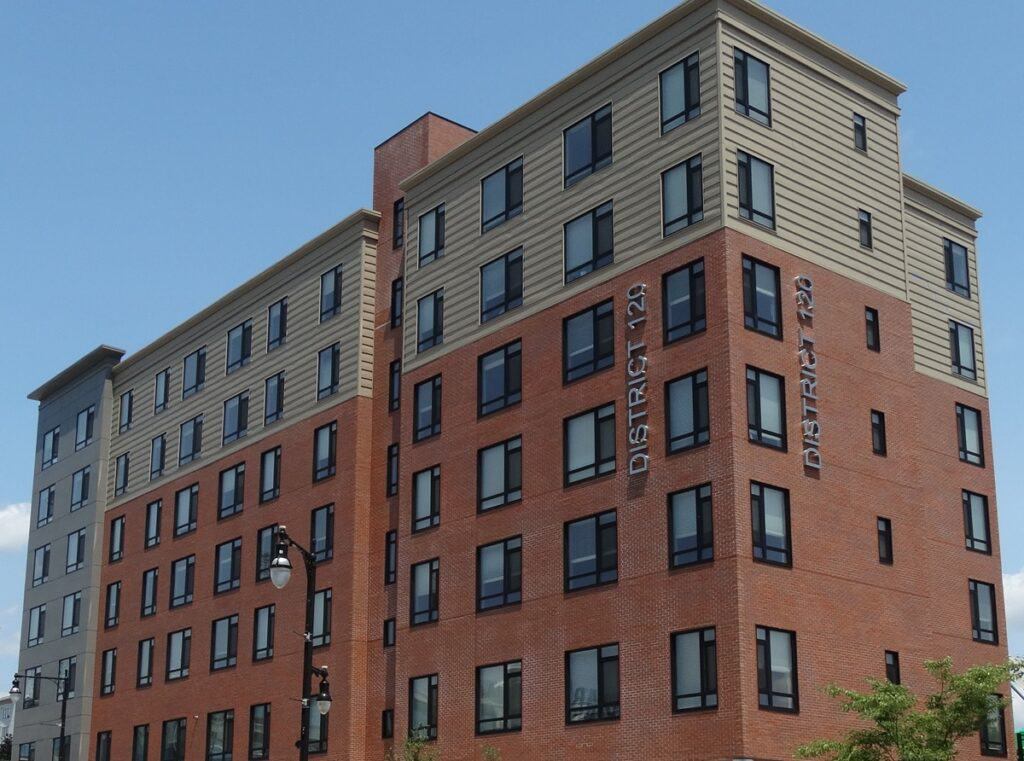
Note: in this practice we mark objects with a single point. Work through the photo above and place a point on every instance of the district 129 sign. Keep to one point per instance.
(636, 380)
(810, 428)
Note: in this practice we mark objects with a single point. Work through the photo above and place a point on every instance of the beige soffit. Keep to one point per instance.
(750, 7)
(361, 216)
(102, 354)
(933, 193)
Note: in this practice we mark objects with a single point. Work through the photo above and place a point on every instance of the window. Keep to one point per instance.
(161, 391)
(427, 415)
(277, 324)
(502, 195)
(125, 411)
(392, 474)
(686, 402)
(264, 551)
(121, 474)
(149, 580)
(321, 533)
(588, 242)
(588, 342)
(684, 310)
(694, 670)
(259, 732)
(499, 474)
(108, 672)
(190, 438)
(67, 669)
(961, 350)
(431, 235)
(157, 452)
(682, 196)
(220, 727)
(762, 308)
(884, 541)
(776, 670)
(193, 375)
(322, 602)
(983, 612)
(51, 447)
(864, 225)
(769, 513)
(140, 743)
(236, 417)
(80, 487)
(103, 746)
(30, 696)
(387, 723)
(144, 669)
(752, 89)
(757, 189)
(871, 327)
(179, 654)
(330, 293)
(591, 552)
(183, 581)
(116, 551)
(84, 425)
(878, 444)
(41, 565)
(426, 498)
(766, 408)
(397, 289)
(112, 606)
(679, 90)
(76, 551)
(691, 534)
(172, 744)
(976, 527)
(390, 557)
(328, 370)
(232, 491)
(423, 707)
(589, 444)
(587, 145)
(430, 320)
(892, 666)
(499, 570)
(37, 625)
(398, 223)
(273, 398)
(957, 273)
(395, 385)
(263, 633)
(317, 737)
(26, 752)
(592, 684)
(228, 566)
(270, 475)
(72, 614)
(499, 697)
(993, 729)
(389, 632)
(968, 426)
(499, 378)
(239, 346)
(186, 509)
(44, 514)
(501, 285)
(153, 510)
(224, 643)
(325, 451)
(423, 597)
(860, 132)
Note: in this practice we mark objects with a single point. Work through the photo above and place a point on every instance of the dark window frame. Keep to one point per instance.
(879, 442)
(185, 660)
(511, 579)
(752, 320)
(766, 695)
(393, 454)
(512, 296)
(234, 579)
(604, 462)
(756, 432)
(957, 364)
(241, 427)
(436, 251)
(245, 348)
(745, 168)
(230, 658)
(434, 429)
(600, 156)
(397, 295)
(267, 652)
(872, 329)
(333, 355)
(972, 541)
(398, 223)
(741, 83)
(512, 379)
(188, 389)
(860, 132)
(864, 227)
(395, 385)
(696, 298)
(606, 545)
(434, 301)
(978, 634)
(178, 598)
(704, 549)
(180, 529)
(274, 341)
(325, 553)
(512, 171)
(708, 664)
(700, 412)
(226, 509)
(602, 316)
(262, 752)
(763, 552)
(227, 719)
(598, 259)
(328, 470)
(885, 540)
(606, 709)
(433, 517)
(892, 666)
(431, 726)
(269, 495)
(327, 311)
(694, 181)
(512, 679)
(511, 492)
(950, 251)
(432, 612)
(976, 458)
(278, 412)
(691, 100)
(197, 440)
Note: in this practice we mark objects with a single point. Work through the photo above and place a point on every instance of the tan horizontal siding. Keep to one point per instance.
(632, 182)
(354, 250)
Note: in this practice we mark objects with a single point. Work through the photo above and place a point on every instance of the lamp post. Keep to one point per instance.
(62, 686)
(280, 575)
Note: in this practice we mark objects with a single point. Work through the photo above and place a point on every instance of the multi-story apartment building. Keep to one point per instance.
(618, 429)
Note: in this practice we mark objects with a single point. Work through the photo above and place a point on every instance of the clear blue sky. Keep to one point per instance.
(154, 155)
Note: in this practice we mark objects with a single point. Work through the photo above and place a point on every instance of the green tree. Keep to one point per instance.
(903, 727)
(6, 748)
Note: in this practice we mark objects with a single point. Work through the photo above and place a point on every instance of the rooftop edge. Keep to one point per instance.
(97, 356)
(939, 196)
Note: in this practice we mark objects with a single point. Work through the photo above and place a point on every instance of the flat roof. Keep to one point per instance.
(98, 356)
(939, 196)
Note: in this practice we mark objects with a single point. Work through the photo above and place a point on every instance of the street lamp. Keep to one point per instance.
(62, 687)
(280, 575)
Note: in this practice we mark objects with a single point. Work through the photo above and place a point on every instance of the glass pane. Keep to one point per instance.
(782, 663)
(579, 241)
(681, 408)
(761, 185)
(771, 404)
(674, 192)
(757, 84)
(672, 91)
(427, 233)
(583, 678)
(581, 442)
(494, 195)
(577, 147)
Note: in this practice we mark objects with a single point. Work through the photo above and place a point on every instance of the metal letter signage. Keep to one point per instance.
(810, 427)
(636, 379)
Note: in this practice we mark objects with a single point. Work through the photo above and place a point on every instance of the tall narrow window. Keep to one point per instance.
(427, 412)
(121, 466)
(387, 723)
(80, 483)
(220, 729)
(325, 451)
(126, 412)
(762, 308)
(766, 408)
(395, 385)
(116, 550)
(502, 195)
(423, 707)
(499, 378)
(398, 223)
(44, 510)
(961, 350)
(152, 535)
(108, 672)
(149, 580)
(270, 475)
(51, 447)
(753, 97)
(993, 729)
(591, 551)
(686, 407)
(884, 540)
(430, 320)
(589, 444)
(193, 374)
(75, 552)
(872, 329)
(958, 277)
(72, 614)
(161, 391)
(776, 670)
(864, 226)
(499, 474)
(273, 398)
(263, 633)
(328, 369)
(392, 471)
(983, 612)
(259, 732)
(179, 655)
(322, 606)
(587, 145)
(691, 533)
(84, 425)
(769, 512)
(41, 565)
(679, 90)
(976, 527)
(389, 632)
(501, 285)
(878, 442)
(968, 426)
(224, 643)
(390, 557)
(756, 189)
(157, 456)
(499, 571)
(318, 727)
(227, 566)
(277, 324)
(860, 132)
(172, 742)
(144, 668)
(588, 242)
(67, 669)
(264, 551)
(694, 670)
(190, 440)
(682, 196)
(423, 594)
(232, 491)
(588, 342)
(321, 533)
(499, 697)
(236, 417)
(592, 684)
(330, 293)
(431, 235)
(140, 743)
(183, 581)
(37, 622)
(683, 299)
(186, 510)
(397, 291)
(892, 666)
(426, 498)
(239, 346)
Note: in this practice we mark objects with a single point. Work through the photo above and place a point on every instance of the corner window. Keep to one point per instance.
(502, 195)
(686, 402)
(501, 285)
(398, 223)
(328, 368)
(864, 227)
(423, 707)
(273, 398)
(587, 145)
(892, 666)
(588, 342)
(270, 475)
(193, 375)
(679, 91)
(499, 378)
(427, 413)
(968, 427)
(397, 291)
(993, 729)
(430, 320)
(499, 572)
(183, 581)
(682, 196)
(878, 443)
(957, 273)
(860, 132)
(499, 698)
(390, 557)
(976, 529)
(983, 612)
(431, 235)
(766, 408)
(127, 405)
(872, 329)
(592, 684)
(884, 540)
(694, 670)
(691, 531)
(589, 444)
(186, 509)
(277, 324)
(423, 594)
(499, 474)
(392, 471)
(769, 514)
(961, 350)
(321, 533)
(227, 566)
(753, 97)
(757, 189)
(236, 417)
(588, 242)
(232, 491)
(426, 499)
(591, 551)
(239, 346)
(51, 447)
(224, 643)
(776, 670)
(762, 306)
(161, 391)
(683, 299)
(395, 385)
(121, 474)
(157, 456)
(190, 440)
(84, 425)
(330, 293)
(389, 633)
(325, 451)
(80, 483)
